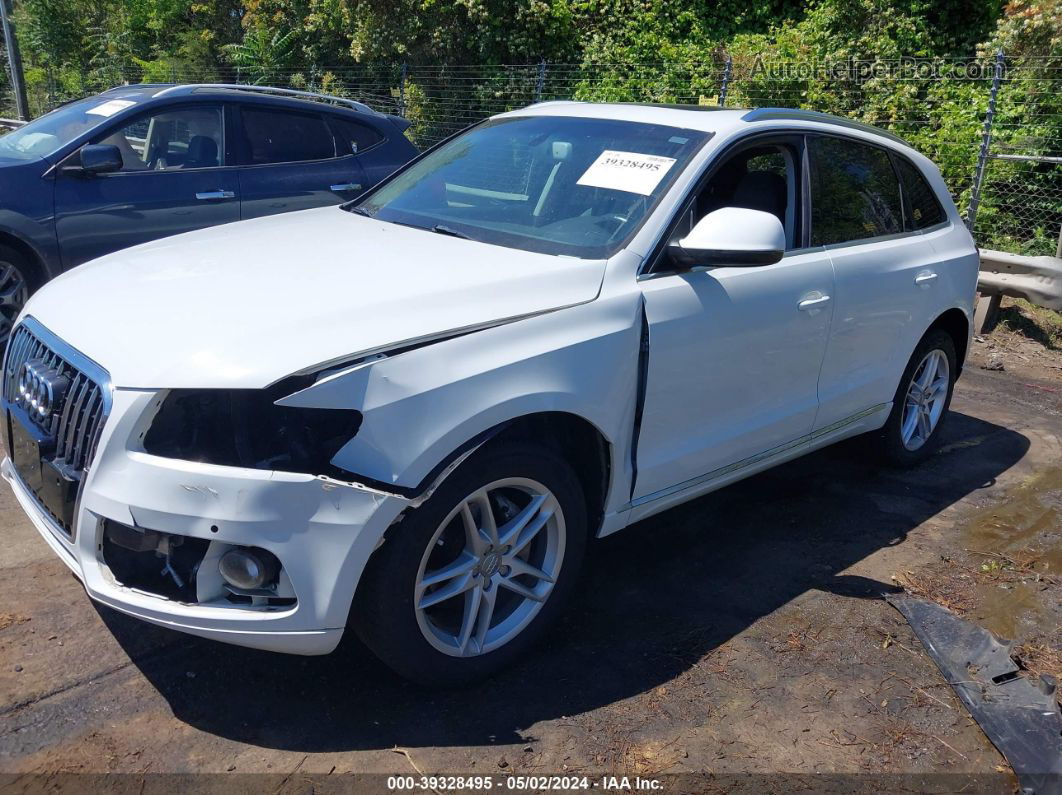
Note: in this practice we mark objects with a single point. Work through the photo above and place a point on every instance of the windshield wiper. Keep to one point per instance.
(439, 229)
(359, 211)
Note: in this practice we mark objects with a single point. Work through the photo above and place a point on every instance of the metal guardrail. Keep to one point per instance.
(11, 123)
(1036, 279)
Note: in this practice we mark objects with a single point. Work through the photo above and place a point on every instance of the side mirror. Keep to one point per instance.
(731, 237)
(100, 159)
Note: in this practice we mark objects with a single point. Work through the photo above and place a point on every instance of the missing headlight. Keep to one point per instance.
(244, 428)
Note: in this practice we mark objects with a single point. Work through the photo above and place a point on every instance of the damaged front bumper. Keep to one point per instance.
(321, 530)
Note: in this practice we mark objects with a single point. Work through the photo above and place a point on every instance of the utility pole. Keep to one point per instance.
(14, 61)
(727, 70)
(986, 142)
(540, 83)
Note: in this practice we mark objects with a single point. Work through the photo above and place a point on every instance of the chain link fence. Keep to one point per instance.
(7, 97)
(993, 125)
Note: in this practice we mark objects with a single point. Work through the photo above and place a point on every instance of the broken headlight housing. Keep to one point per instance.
(245, 428)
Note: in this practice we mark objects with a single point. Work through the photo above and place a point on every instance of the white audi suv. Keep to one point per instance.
(409, 415)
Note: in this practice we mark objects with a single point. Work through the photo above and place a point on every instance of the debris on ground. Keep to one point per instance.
(1027, 339)
(1019, 714)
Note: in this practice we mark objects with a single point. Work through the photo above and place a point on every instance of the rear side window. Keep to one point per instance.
(921, 208)
(352, 137)
(280, 136)
(854, 192)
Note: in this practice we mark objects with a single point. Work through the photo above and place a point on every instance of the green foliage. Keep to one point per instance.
(263, 57)
(619, 50)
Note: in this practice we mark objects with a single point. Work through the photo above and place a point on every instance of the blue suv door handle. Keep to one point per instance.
(345, 186)
(214, 195)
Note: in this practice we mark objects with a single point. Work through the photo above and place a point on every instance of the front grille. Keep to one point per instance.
(75, 424)
(51, 440)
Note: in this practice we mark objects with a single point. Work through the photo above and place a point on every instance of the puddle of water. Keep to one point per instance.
(1025, 527)
(1010, 613)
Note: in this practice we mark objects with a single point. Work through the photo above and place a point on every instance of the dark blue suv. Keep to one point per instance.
(142, 162)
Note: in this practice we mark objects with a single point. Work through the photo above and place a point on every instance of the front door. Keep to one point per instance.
(174, 179)
(734, 352)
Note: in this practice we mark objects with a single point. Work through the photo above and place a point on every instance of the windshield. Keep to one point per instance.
(55, 130)
(558, 185)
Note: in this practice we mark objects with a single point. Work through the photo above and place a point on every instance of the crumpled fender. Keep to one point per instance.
(422, 406)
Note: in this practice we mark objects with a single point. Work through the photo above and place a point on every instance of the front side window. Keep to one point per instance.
(172, 139)
(921, 208)
(854, 192)
(281, 136)
(557, 185)
(762, 177)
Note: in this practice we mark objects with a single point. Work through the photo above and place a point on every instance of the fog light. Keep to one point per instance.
(248, 568)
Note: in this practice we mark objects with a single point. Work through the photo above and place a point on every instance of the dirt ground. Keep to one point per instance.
(737, 635)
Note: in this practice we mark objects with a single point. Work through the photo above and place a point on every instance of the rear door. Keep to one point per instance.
(289, 161)
(176, 177)
(884, 270)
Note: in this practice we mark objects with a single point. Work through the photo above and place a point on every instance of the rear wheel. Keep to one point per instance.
(468, 581)
(16, 283)
(912, 432)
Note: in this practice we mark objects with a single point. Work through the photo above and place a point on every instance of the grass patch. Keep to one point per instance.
(1033, 322)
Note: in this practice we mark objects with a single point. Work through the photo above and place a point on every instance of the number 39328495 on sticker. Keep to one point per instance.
(628, 171)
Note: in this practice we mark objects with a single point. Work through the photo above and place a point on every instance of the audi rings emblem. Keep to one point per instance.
(41, 388)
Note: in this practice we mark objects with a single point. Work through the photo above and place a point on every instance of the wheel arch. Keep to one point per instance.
(40, 272)
(579, 442)
(957, 325)
(573, 436)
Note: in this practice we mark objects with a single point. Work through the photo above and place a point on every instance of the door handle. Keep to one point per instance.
(345, 187)
(925, 278)
(214, 195)
(813, 303)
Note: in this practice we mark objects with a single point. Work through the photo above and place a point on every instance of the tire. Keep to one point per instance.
(18, 280)
(415, 597)
(900, 445)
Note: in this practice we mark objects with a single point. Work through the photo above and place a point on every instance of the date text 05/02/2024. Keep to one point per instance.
(523, 783)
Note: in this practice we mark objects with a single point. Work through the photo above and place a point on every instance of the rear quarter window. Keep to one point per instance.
(921, 207)
(352, 137)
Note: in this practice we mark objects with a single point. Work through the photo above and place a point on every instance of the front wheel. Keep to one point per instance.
(912, 432)
(465, 583)
(16, 283)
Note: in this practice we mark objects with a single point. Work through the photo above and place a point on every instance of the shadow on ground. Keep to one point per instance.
(654, 599)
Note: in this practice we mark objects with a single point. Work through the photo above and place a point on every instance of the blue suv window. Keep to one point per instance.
(173, 138)
(280, 136)
(353, 137)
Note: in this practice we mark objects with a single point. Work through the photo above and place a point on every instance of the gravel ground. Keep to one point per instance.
(738, 634)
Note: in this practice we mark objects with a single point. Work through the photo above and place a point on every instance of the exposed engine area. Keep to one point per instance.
(244, 428)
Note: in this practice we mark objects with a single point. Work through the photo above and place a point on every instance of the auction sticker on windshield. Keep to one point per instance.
(110, 107)
(628, 171)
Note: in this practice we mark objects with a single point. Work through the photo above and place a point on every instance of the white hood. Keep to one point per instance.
(243, 305)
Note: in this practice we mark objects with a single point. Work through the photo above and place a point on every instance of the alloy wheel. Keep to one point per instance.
(489, 567)
(926, 397)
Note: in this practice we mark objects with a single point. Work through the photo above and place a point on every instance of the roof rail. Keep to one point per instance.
(281, 92)
(794, 114)
(126, 86)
